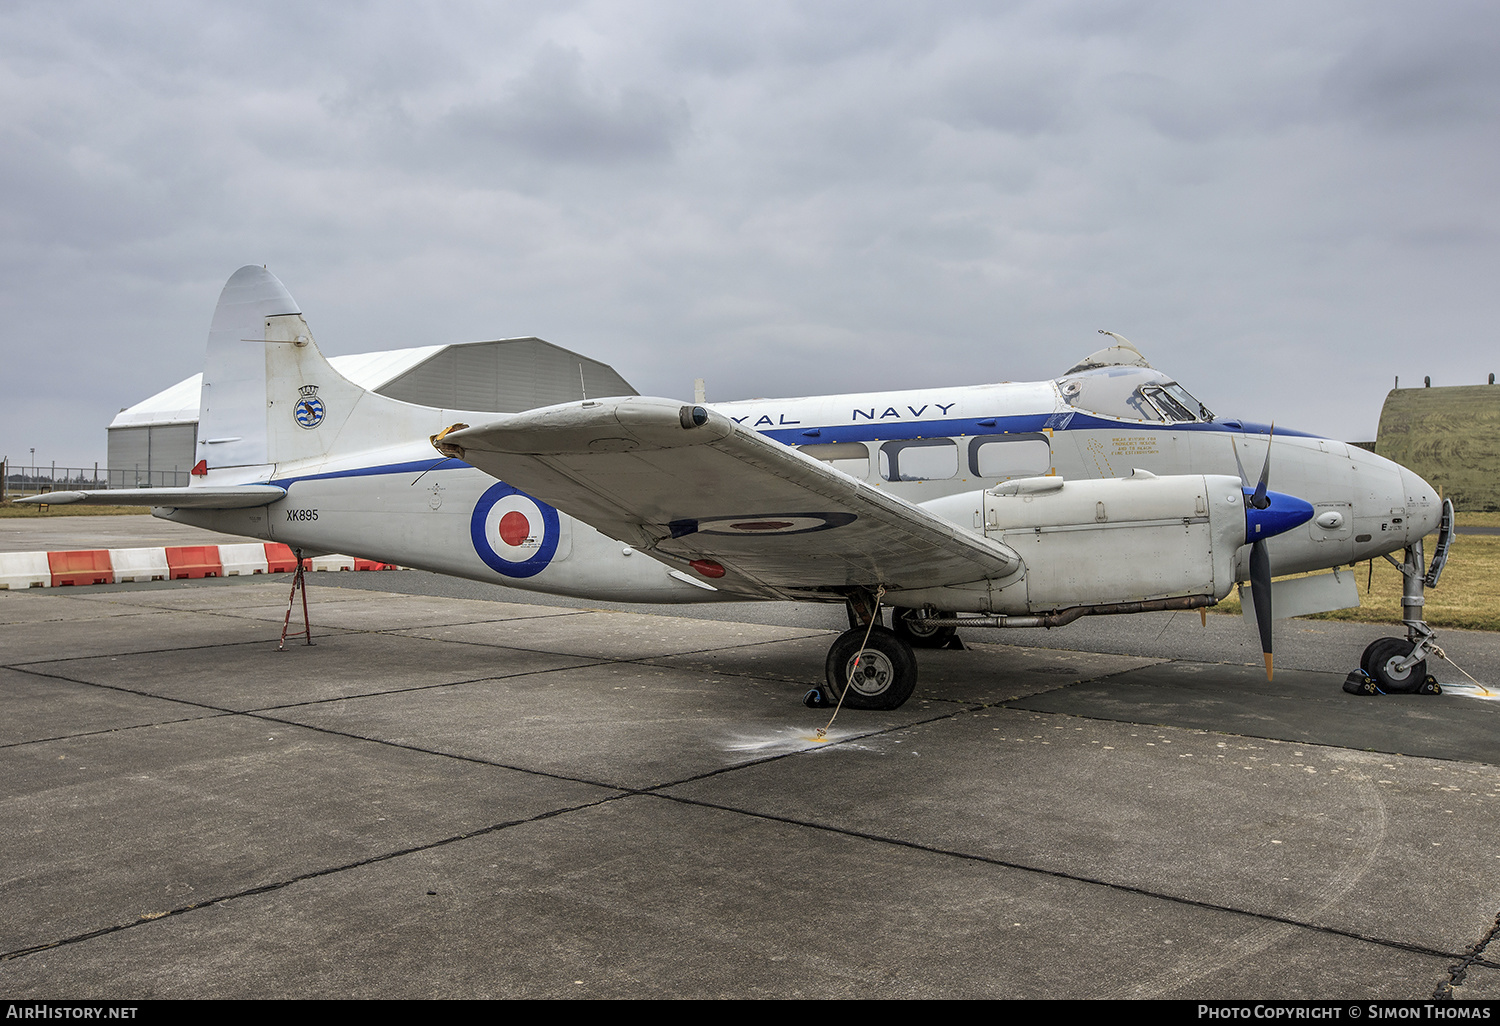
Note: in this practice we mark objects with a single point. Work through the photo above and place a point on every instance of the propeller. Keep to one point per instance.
(1267, 514)
(1259, 499)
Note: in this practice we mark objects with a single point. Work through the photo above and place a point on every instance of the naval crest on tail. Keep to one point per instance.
(309, 410)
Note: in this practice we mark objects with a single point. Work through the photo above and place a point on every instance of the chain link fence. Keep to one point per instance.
(17, 481)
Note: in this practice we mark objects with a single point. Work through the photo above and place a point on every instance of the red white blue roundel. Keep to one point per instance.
(513, 533)
(762, 524)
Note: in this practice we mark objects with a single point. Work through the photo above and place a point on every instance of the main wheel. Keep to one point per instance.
(1383, 657)
(880, 673)
(919, 636)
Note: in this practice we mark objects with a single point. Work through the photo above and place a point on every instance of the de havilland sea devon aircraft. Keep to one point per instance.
(1109, 489)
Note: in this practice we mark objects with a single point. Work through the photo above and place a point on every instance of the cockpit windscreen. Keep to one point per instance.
(1132, 393)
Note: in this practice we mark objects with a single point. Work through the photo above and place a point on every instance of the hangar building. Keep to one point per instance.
(151, 444)
(1449, 435)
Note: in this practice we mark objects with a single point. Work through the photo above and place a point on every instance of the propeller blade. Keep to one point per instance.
(1244, 480)
(1259, 500)
(1260, 594)
(1267, 514)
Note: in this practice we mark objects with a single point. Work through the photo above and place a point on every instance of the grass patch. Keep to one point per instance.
(1477, 519)
(72, 509)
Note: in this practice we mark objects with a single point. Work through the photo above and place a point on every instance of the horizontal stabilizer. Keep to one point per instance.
(205, 497)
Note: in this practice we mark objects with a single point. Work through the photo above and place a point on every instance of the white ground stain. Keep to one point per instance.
(787, 739)
(1472, 691)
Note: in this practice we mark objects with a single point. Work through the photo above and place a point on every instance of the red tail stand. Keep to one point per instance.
(298, 583)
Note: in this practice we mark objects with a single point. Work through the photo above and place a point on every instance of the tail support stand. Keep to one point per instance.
(298, 584)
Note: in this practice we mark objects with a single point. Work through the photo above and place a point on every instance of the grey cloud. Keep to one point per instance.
(1422, 77)
(1010, 97)
(727, 39)
(553, 113)
(780, 196)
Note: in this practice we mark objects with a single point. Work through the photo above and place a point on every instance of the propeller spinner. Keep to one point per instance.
(1267, 514)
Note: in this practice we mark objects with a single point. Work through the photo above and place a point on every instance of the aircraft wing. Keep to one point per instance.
(688, 483)
(201, 497)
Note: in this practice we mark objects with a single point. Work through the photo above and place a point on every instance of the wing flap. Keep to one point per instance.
(689, 483)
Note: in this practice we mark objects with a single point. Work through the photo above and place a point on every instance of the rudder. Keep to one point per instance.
(270, 397)
(232, 408)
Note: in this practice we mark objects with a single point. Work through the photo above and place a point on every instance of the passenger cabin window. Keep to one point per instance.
(919, 459)
(1018, 455)
(851, 458)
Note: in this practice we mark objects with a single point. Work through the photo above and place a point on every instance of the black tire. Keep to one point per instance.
(1364, 659)
(885, 677)
(1383, 654)
(921, 637)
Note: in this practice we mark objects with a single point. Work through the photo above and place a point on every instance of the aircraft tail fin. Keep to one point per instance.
(270, 397)
(232, 409)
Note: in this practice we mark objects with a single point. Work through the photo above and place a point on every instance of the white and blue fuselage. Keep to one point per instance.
(406, 504)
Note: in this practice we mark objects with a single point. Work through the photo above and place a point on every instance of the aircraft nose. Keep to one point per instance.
(1424, 510)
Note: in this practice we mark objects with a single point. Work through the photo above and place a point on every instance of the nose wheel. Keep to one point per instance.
(1388, 662)
(1399, 665)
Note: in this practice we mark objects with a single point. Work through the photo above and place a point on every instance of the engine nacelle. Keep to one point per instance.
(1113, 542)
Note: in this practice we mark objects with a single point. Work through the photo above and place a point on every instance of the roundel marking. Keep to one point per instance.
(309, 412)
(513, 533)
(515, 528)
(775, 523)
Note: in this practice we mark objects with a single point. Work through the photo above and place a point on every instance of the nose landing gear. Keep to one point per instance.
(1390, 663)
(1399, 665)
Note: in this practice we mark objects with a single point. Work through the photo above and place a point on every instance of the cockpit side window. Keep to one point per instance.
(1165, 403)
(1201, 412)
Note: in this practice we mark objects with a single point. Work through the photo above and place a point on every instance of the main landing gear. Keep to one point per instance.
(871, 666)
(920, 635)
(1399, 665)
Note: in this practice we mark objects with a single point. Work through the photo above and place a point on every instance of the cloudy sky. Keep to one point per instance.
(1282, 204)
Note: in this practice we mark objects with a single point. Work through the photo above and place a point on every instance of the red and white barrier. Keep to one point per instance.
(181, 562)
(139, 564)
(243, 560)
(24, 570)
